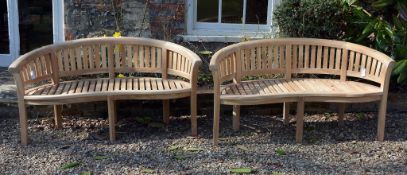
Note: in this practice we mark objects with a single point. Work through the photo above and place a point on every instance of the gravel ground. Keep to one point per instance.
(263, 144)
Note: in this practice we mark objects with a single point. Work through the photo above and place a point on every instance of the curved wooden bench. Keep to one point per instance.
(85, 70)
(360, 74)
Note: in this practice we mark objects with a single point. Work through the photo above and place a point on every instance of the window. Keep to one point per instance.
(229, 17)
(4, 39)
(28, 24)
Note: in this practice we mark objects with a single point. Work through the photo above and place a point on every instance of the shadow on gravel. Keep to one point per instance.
(315, 132)
(170, 149)
(131, 130)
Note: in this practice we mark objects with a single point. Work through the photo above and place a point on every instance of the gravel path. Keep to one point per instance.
(263, 144)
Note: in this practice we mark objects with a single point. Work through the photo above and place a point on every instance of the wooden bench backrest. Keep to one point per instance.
(106, 55)
(300, 56)
(37, 66)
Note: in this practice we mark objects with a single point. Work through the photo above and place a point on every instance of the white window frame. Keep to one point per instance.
(58, 21)
(211, 31)
(14, 34)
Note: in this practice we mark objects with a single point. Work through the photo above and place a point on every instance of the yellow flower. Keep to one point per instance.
(120, 76)
(117, 34)
(117, 48)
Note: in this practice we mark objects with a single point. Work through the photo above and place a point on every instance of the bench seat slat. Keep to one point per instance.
(116, 84)
(73, 87)
(53, 89)
(99, 85)
(153, 84)
(274, 85)
(264, 87)
(123, 84)
(297, 87)
(129, 84)
(106, 86)
(46, 90)
(86, 86)
(59, 89)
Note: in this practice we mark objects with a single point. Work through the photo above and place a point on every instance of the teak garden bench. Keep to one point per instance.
(349, 73)
(85, 70)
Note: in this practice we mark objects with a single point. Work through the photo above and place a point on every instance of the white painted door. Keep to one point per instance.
(28, 24)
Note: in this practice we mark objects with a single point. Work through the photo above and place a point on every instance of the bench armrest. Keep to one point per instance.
(225, 64)
(182, 62)
(35, 66)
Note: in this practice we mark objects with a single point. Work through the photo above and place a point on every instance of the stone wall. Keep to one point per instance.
(160, 19)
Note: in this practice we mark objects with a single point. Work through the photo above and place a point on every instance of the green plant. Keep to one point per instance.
(381, 24)
(280, 152)
(361, 116)
(241, 170)
(311, 18)
(70, 165)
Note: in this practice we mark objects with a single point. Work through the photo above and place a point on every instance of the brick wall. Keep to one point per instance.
(160, 19)
(167, 18)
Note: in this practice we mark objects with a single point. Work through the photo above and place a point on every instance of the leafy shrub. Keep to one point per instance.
(311, 18)
(381, 24)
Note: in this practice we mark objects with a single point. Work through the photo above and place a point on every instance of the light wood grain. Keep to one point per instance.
(57, 116)
(341, 113)
(300, 121)
(291, 56)
(286, 113)
(38, 75)
(236, 117)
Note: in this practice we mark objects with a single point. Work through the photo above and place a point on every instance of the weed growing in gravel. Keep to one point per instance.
(101, 157)
(70, 165)
(280, 152)
(147, 171)
(85, 173)
(360, 116)
(241, 171)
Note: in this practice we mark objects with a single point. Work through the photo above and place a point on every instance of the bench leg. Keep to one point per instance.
(216, 117)
(57, 116)
(286, 112)
(341, 113)
(194, 122)
(23, 122)
(111, 107)
(300, 121)
(236, 117)
(381, 119)
(166, 112)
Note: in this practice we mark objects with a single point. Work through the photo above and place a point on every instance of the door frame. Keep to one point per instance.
(14, 34)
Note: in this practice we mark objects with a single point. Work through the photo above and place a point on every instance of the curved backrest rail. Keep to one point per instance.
(105, 55)
(300, 56)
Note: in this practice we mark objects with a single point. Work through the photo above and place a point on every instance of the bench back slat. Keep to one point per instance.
(301, 56)
(317, 59)
(178, 64)
(263, 58)
(105, 55)
(137, 58)
(38, 68)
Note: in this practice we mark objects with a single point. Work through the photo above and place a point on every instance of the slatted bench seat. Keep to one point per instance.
(334, 71)
(86, 70)
(248, 92)
(145, 88)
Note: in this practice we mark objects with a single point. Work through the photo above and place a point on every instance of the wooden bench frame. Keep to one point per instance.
(312, 56)
(95, 56)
